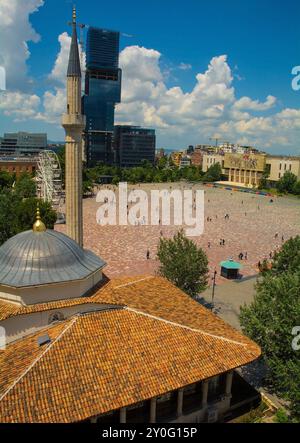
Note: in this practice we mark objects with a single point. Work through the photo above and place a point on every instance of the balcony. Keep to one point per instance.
(73, 120)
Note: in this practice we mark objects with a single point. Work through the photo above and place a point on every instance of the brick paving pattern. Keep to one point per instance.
(252, 225)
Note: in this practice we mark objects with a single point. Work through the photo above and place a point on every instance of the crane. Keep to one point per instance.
(83, 26)
(216, 140)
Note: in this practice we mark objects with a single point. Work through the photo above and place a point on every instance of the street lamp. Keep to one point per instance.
(213, 289)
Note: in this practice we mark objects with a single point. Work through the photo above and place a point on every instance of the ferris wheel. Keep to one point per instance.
(49, 179)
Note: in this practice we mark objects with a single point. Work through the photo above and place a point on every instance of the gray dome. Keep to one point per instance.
(40, 258)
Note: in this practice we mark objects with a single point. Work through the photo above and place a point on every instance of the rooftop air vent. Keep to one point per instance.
(43, 340)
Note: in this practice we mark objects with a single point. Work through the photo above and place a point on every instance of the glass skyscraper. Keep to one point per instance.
(102, 92)
(133, 145)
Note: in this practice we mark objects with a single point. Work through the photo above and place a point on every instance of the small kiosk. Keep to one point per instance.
(230, 269)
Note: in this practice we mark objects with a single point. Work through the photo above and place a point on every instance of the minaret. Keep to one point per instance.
(74, 123)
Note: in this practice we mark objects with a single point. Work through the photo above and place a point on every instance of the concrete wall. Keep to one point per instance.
(53, 292)
(280, 165)
(22, 325)
(210, 160)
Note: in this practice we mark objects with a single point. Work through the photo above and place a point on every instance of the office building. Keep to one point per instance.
(185, 161)
(209, 160)
(133, 145)
(278, 165)
(22, 144)
(18, 165)
(176, 157)
(102, 92)
(197, 157)
(247, 169)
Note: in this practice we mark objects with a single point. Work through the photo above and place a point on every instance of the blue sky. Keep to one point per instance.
(244, 52)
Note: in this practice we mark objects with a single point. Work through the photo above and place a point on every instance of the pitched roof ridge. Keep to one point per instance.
(38, 358)
(133, 282)
(220, 337)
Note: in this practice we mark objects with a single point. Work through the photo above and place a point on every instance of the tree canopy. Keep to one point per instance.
(162, 172)
(214, 173)
(25, 186)
(271, 318)
(287, 182)
(18, 206)
(183, 263)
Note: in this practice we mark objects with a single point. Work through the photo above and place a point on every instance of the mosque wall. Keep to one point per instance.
(48, 293)
(22, 325)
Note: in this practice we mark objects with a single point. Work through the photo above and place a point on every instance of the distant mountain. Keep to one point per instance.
(51, 142)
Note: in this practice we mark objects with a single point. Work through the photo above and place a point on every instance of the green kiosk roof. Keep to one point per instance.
(230, 264)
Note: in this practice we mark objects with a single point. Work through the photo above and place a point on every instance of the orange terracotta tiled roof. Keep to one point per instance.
(157, 296)
(105, 360)
(9, 309)
(150, 294)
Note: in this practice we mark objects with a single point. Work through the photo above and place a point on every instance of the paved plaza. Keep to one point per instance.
(251, 228)
(228, 299)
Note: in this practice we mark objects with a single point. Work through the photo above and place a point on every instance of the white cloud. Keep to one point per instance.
(140, 63)
(19, 106)
(185, 66)
(255, 105)
(210, 107)
(212, 92)
(54, 105)
(180, 117)
(58, 73)
(15, 33)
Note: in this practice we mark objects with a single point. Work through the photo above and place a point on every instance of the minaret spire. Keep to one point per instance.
(74, 59)
(74, 123)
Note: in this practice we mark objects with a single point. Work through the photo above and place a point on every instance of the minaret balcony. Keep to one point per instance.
(73, 121)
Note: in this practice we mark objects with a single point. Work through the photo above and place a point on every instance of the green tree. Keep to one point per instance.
(162, 162)
(183, 263)
(281, 416)
(25, 212)
(263, 184)
(296, 188)
(6, 180)
(87, 182)
(61, 154)
(18, 214)
(8, 219)
(271, 318)
(25, 186)
(288, 259)
(214, 173)
(287, 182)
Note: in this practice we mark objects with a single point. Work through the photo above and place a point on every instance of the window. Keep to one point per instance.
(290, 167)
(280, 166)
(279, 176)
(285, 166)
